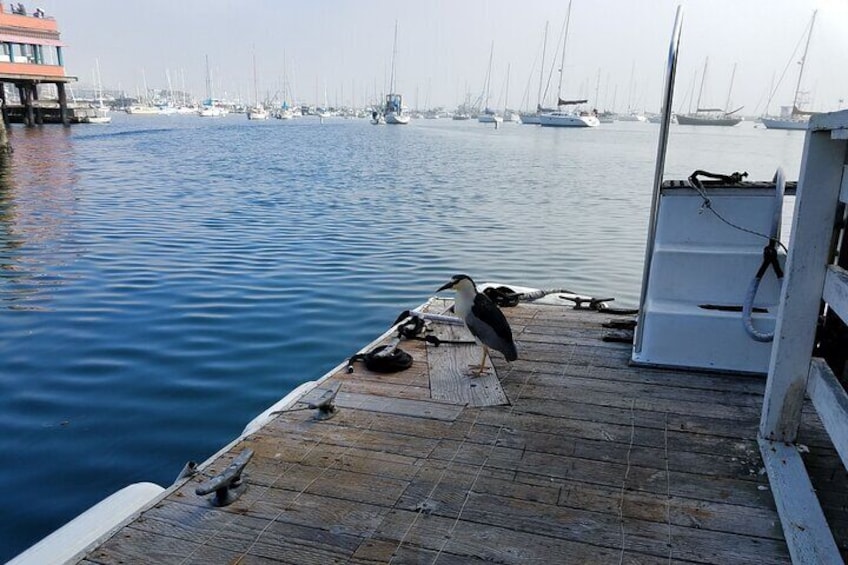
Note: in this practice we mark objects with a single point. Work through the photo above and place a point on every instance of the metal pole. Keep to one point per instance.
(662, 147)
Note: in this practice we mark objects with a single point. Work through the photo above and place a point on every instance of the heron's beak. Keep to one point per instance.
(445, 286)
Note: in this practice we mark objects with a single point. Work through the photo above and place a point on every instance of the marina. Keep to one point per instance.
(146, 344)
(578, 450)
(183, 376)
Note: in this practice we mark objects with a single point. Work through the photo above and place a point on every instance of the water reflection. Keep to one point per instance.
(36, 212)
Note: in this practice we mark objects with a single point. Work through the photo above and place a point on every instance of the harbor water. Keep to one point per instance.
(165, 279)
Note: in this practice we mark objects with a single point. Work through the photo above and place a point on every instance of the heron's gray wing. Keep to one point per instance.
(489, 325)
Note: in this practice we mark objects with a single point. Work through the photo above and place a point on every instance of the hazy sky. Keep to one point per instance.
(615, 48)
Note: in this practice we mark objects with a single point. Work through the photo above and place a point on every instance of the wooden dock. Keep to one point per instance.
(584, 459)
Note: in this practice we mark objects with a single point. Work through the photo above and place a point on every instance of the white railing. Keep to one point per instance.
(811, 279)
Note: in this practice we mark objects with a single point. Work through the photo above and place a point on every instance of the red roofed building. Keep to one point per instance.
(30, 55)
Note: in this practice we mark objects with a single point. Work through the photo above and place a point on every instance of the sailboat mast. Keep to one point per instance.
(394, 56)
(99, 84)
(730, 89)
(597, 88)
(255, 82)
(701, 90)
(562, 60)
(208, 81)
(542, 68)
(506, 89)
(803, 60)
(489, 75)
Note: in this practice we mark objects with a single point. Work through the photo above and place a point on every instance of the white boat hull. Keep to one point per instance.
(210, 112)
(489, 119)
(779, 123)
(566, 120)
(397, 119)
(532, 119)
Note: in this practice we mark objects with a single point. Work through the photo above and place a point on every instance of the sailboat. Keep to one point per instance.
(794, 118)
(257, 111)
(286, 112)
(100, 115)
(567, 118)
(533, 117)
(393, 112)
(489, 116)
(711, 116)
(509, 115)
(209, 108)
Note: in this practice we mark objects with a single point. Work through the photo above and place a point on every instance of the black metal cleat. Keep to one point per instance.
(325, 406)
(227, 485)
(588, 303)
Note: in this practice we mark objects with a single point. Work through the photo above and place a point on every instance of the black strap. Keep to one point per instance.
(770, 260)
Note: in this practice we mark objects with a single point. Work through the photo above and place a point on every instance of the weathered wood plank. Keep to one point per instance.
(389, 405)
(807, 532)
(380, 552)
(835, 291)
(831, 403)
(246, 533)
(449, 498)
(498, 544)
(450, 378)
(440, 487)
(723, 489)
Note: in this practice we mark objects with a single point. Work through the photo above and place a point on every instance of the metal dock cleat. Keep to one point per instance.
(324, 406)
(227, 485)
(588, 303)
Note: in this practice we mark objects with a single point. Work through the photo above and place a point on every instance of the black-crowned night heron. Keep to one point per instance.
(483, 318)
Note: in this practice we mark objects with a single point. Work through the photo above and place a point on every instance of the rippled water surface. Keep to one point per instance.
(165, 279)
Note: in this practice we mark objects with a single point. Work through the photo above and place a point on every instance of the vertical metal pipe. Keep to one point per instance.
(662, 147)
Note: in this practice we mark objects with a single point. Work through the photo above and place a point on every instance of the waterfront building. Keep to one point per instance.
(30, 57)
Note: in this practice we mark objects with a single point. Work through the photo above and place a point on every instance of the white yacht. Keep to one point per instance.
(257, 113)
(489, 116)
(570, 118)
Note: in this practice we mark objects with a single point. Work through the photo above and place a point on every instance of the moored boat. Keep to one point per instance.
(257, 113)
(793, 118)
(393, 112)
(570, 118)
(711, 116)
(707, 119)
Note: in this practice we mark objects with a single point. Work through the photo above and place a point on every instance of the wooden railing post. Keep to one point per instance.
(800, 300)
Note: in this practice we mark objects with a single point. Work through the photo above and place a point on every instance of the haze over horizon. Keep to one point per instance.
(342, 51)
